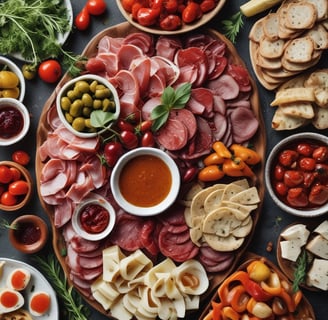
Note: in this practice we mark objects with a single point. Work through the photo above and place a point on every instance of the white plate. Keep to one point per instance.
(61, 37)
(37, 283)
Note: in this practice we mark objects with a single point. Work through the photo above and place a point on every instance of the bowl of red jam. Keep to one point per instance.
(12, 81)
(14, 121)
(94, 218)
(28, 233)
(296, 174)
(145, 181)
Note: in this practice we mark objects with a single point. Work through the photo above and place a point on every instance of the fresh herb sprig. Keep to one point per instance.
(31, 28)
(73, 303)
(4, 224)
(232, 26)
(171, 99)
(300, 270)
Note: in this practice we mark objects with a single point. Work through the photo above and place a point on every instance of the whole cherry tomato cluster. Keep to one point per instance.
(128, 136)
(91, 8)
(235, 161)
(300, 175)
(12, 186)
(167, 14)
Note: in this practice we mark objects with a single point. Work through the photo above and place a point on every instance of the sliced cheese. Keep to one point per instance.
(296, 232)
(318, 246)
(322, 229)
(318, 274)
(290, 249)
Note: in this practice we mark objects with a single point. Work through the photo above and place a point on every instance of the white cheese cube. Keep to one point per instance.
(296, 232)
(290, 249)
(322, 229)
(318, 274)
(318, 246)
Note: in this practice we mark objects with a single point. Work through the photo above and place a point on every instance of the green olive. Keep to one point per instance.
(76, 108)
(8, 79)
(102, 93)
(68, 117)
(71, 94)
(97, 104)
(82, 86)
(78, 124)
(93, 86)
(10, 93)
(86, 111)
(87, 100)
(65, 103)
(88, 124)
(106, 105)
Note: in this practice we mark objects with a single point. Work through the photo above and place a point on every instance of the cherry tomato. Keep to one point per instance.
(288, 157)
(191, 12)
(127, 5)
(144, 126)
(21, 157)
(308, 179)
(95, 65)
(297, 197)
(96, 7)
(320, 154)
(129, 140)
(293, 178)
(8, 199)
(279, 172)
(281, 188)
(50, 71)
(171, 22)
(112, 151)
(5, 174)
(307, 164)
(190, 174)
(124, 125)
(318, 194)
(171, 6)
(19, 187)
(15, 174)
(147, 16)
(147, 139)
(82, 20)
(304, 149)
(207, 5)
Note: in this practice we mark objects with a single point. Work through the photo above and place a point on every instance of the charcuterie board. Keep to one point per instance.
(258, 141)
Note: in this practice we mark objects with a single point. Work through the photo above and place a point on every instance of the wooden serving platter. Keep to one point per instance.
(259, 142)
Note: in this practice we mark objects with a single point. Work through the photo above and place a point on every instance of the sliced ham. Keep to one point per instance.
(126, 54)
(143, 41)
(54, 185)
(63, 213)
(140, 69)
(221, 126)
(167, 47)
(148, 107)
(109, 44)
(225, 86)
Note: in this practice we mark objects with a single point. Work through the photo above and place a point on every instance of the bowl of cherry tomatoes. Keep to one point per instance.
(296, 174)
(169, 17)
(16, 186)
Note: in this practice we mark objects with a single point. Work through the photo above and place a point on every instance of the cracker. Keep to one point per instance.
(281, 121)
(319, 35)
(271, 48)
(257, 31)
(267, 63)
(271, 26)
(321, 8)
(292, 95)
(301, 15)
(295, 82)
(320, 120)
(299, 50)
(298, 109)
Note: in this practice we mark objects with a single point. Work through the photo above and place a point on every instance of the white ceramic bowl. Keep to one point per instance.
(299, 137)
(14, 68)
(69, 85)
(93, 199)
(136, 209)
(13, 103)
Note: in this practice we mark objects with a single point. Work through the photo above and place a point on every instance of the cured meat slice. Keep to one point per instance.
(148, 107)
(54, 185)
(225, 86)
(140, 68)
(187, 118)
(173, 136)
(143, 41)
(126, 54)
(205, 97)
(167, 47)
(168, 70)
(221, 266)
(109, 44)
(221, 125)
(63, 212)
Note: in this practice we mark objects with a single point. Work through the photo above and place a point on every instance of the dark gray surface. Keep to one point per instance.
(272, 219)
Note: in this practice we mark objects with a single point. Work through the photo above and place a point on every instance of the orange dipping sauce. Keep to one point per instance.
(145, 181)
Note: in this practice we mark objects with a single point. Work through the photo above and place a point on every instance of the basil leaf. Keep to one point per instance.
(159, 122)
(182, 95)
(99, 118)
(159, 111)
(168, 96)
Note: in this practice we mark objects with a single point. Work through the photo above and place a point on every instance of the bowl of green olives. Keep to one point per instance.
(88, 105)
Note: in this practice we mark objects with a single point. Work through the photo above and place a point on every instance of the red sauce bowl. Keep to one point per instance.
(296, 176)
(28, 233)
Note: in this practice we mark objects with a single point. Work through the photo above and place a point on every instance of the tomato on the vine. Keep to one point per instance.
(124, 125)
(50, 71)
(5, 174)
(129, 139)
(147, 139)
(96, 7)
(82, 20)
(112, 151)
(21, 157)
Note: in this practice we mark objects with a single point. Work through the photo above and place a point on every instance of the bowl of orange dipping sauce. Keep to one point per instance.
(145, 181)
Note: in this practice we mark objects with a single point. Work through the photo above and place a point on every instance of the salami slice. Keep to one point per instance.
(187, 118)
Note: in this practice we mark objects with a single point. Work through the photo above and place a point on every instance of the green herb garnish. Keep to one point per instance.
(171, 99)
(31, 28)
(72, 301)
(232, 26)
(300, 271)
(100, 118)
(4, 224)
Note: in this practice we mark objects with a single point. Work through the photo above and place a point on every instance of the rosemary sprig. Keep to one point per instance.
(72, 301)
(300, 271)
(232, 26)
(4, 224)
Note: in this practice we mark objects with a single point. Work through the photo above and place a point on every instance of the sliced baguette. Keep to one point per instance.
(271, 26)
(271, 48)
(301, 15)
(299, 50)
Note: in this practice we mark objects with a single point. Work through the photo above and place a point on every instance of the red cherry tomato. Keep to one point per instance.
(171, 22)
(307, 164)
(304, 149)
(50, 71)
(297, 197)
(96, 7)
(129, 140)
(281, 188)
(207, 5)
(95, 65)
(112, 151)
(82, 20)
(125, 125)
(18, 188)
(5, 174)
(147, 139)
(144, 126)
(288, 157)
(293, 178)
(21, 157)
(279, 172)
(318, 194)
(320, 154)
(15, 174)
(147, 16)
(8, 199)
(191, 12)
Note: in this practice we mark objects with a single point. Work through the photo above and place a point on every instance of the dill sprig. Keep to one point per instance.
(232, 26)
(300, 271)
(72, 301)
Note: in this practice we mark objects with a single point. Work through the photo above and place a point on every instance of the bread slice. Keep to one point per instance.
(298, 109)
(298, 67)
(271, 26)
(266, 63)
(319, 35)
(301, 15)
(320, 120)
(295, 82)
(257, 32)
(318, 78)
(271, 48)
(281, 121)
(299, 50)
(292, 95)
(321, 8)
